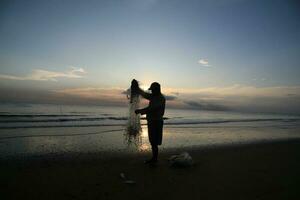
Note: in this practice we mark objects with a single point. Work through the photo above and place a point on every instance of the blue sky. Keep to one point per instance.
(185, 45)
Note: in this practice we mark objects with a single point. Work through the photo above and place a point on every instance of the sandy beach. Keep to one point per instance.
(252, 171)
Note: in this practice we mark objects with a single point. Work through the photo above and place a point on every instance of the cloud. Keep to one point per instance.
(203, 62)
(126, 92)
(281, 99)
(95, 92)
(205, 105)
(170, 97)
(45, 75)
(239, 90)
(71, 96)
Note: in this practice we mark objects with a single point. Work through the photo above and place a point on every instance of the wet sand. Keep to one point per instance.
(252, 171)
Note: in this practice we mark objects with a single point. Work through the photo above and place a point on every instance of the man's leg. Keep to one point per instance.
(154, 155)
(154, 152)
(153, 141)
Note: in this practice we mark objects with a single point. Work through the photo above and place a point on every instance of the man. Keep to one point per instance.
(154, 115)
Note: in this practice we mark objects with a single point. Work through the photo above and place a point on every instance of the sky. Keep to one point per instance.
(207, 54)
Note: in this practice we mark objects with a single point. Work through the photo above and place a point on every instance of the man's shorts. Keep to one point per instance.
(155, 131)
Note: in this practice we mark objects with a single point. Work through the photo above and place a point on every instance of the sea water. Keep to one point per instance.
(36, 129)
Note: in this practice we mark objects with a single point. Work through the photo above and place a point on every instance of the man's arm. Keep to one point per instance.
(152, 108)
(144, 94)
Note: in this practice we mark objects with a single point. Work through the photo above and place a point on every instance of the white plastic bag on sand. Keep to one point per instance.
(126, 180)
(181, 160)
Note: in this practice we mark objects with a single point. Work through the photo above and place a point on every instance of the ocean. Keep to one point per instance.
(39, 129)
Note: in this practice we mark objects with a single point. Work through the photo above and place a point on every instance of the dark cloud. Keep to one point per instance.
(170, 97)
(206, 105)
(52, 97)
(175, 93)
(173, 96)
(126, 92)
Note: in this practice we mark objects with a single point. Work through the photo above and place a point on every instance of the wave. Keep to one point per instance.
(63, 126)
(18, 120)
(63, 119)
(36, 115)
(167, 123)
(232, 121)
(59, 135)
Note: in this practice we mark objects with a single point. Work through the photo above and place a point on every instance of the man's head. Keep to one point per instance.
(155, 88)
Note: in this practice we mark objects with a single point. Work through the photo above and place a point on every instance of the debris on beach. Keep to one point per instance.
(130, 182)
(181, 160)
(122, 175)
(125, 180)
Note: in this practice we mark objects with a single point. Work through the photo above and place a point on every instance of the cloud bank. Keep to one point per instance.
(234, 98)
(45, 75)
(282, 99)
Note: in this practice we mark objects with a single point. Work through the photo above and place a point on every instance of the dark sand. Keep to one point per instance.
(253, 171)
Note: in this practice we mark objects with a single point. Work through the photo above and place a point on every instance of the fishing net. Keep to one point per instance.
(133, 129)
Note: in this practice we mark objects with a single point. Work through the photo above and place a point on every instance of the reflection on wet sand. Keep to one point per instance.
(144, 146)
(137, 139)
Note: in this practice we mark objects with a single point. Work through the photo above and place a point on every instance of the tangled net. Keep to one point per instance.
(133, 128)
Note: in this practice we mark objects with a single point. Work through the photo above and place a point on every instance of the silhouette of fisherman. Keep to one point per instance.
(154, 115)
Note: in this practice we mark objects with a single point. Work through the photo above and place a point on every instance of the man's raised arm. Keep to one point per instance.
(144, 94)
